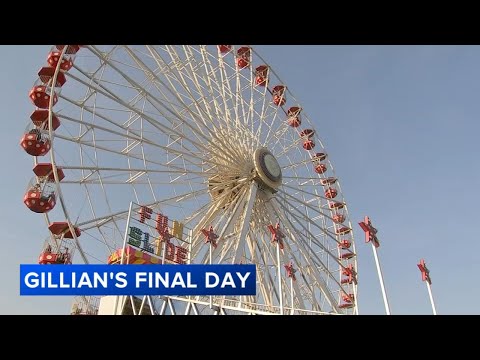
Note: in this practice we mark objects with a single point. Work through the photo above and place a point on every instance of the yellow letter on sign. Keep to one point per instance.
(158, 246)
(177, 229)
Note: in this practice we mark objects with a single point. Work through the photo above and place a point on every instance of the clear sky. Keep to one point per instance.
(400, 124)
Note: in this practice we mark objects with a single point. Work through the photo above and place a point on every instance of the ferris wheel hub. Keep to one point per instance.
(267, 168)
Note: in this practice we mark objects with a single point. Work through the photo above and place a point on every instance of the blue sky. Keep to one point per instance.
(400, 124)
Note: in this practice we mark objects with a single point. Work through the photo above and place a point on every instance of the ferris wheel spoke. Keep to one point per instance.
(228, 90)
(239, 100)
(273, 209)
(207, 206)
(270, 133)
(284, 257)
(118, 182)
(138, 157)
(241, 129)
(122, 215)
(211, 72)
(197, 243)
(110, 179)
(310, 179)
(295, 144)
(260, 250)
(312, 237)
(194, 78)
(130, 134)
(265, 117)
(265, 282)
(297, 294)
(137, 172)
(234, 211)
(99, 88)
(190, 219)
(306, 202)
(331, 235)
(311, 270)
(184, 75)
(197, 117)
(87, 191)
(212, 214)
(103, 220)
(108, 244)
(242, 135)
(110, 247)
(307, 161)
(279, 135)
(225, 80)
(79, 247)
(270, 284)
(258, 99)
(244, 223)
(264, 287)
(250, 117)
(93, 168)
(149, 73)
(300, 190)
(220, 76)
(138, 112)
(59, 193)
(262, 116)
(234, 95)
(277, 264)
(228, 242)
(278, 115)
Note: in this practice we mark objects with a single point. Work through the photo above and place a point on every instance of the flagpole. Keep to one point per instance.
(428, 280)
(380, 278)
(370, 236)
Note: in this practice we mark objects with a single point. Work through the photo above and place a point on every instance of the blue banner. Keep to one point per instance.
(137, 279)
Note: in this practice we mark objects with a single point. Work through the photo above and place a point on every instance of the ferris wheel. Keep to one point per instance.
(195, 154)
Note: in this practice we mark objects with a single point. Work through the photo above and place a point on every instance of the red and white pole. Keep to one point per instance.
(370, 236)
(426, 277)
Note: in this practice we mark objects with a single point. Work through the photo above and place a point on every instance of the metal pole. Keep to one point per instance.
(210, 262)
(279, 277)
(164, 254)
(355, 293)
(190, 237)
(164, 251)
(125, 237)
(431, 298)
(291, 292)
(380, 278)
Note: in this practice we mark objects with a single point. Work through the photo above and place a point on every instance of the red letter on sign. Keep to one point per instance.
(162, 224)
(169, 251)
(181, 255)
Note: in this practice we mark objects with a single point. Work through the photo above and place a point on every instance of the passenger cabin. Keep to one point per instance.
(40, 119)
(279, 98)
(38, 200)
(243, 57)
(62, 228)
(261, 75)
(35, 143)
(40, 96)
